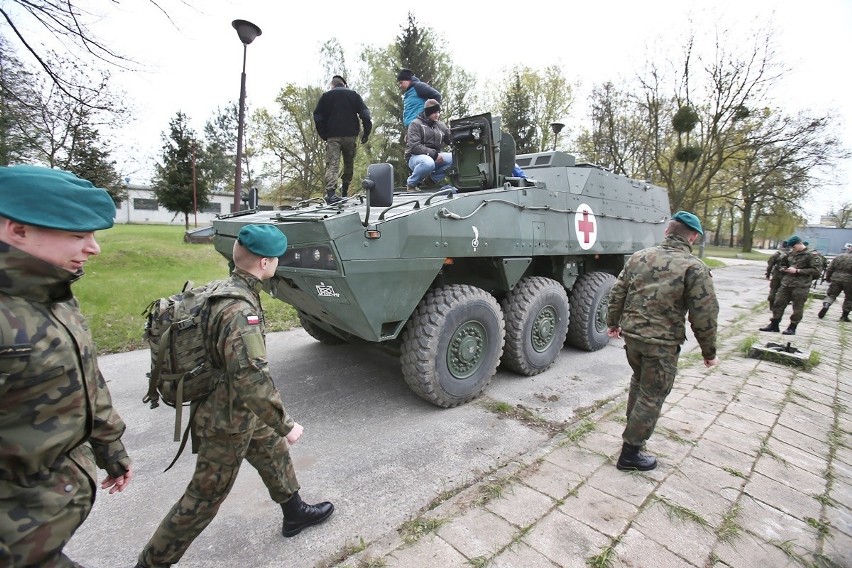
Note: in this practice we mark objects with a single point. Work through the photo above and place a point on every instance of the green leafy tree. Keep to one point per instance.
(516, 110)
(91, 160)
(177, 184)
(289, 135)
(220, 147)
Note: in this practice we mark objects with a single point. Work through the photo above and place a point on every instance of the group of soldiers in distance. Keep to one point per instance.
(794, 269)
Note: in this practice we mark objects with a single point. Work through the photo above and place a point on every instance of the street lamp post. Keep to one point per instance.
(556, 127)
(247, 32)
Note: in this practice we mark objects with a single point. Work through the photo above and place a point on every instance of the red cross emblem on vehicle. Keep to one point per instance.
(585, 227)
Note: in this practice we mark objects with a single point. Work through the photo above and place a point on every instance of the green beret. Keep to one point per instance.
(263, 240)
(54, 199)
(689, 220)
(794, 240)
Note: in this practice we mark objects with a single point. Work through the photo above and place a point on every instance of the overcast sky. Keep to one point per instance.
(193, 63)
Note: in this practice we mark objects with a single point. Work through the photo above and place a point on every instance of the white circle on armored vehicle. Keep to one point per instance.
(585, 227)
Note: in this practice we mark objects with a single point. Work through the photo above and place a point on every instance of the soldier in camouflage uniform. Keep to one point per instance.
(798, 271)
(243, 418)
(57, 423)
(820, 263)
(773, 271)
(839, 276)
(657, 288)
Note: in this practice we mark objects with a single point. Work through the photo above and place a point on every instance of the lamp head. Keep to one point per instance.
(556, 127)
(246, 30)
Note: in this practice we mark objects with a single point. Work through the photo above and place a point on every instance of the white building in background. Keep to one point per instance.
(141, 206)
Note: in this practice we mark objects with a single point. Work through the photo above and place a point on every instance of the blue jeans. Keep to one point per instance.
(422, 165)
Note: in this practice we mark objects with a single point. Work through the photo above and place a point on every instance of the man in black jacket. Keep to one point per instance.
(336, 118)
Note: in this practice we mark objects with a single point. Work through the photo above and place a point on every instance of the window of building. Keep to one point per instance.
(146, 204)
(211, 208)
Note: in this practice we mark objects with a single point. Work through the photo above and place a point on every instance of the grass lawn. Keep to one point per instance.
(727, 252)
(139, 263)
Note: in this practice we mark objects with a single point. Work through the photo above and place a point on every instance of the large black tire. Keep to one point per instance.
(536, 317)
(452, 344)
(589, 304)
(318, 333)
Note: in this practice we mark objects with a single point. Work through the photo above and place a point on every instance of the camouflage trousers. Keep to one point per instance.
(38, 516)
(774, 284)
(335, 148)
(834, 289)
(786, 294)
(216, 468)
(654, 369)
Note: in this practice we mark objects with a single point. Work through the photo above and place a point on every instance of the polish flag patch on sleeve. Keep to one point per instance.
(253, 320)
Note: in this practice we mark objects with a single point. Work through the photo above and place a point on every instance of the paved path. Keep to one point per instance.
(755, 470)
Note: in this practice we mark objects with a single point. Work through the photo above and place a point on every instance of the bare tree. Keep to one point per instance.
(68, 22)
(842, 215)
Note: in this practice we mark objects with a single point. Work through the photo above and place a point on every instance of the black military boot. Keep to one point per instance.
(344, 190)
(773, 325)
(299, 515)
(845, 316)
(331, 198)
(824, 310)
(632, 459)
(791, 329)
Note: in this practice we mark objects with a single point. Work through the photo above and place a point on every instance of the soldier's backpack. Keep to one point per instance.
(175, 330)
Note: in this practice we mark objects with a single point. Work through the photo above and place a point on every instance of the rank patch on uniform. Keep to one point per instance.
(253, 320)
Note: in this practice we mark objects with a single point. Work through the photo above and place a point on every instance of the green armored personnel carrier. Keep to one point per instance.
(498, 269)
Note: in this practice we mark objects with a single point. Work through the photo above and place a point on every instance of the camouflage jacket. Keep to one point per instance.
(840, 269)
(772, 265)
(806, 264)
(657, 288)
(54, 402)
(245, 393)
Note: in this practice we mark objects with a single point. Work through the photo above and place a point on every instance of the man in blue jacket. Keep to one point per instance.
(415, 93)
(336, 118)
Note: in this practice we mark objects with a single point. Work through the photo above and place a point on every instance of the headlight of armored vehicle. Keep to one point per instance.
(315, 257)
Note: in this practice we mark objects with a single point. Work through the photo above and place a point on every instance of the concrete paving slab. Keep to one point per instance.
(477, 533)
(741, 425)
(601, 511)
(783, 497)
(750, 551)
(776, 527)
(635, 549)
(430, 550)
(748, 444)
(579, 460)
(566, 541)
(686, 538)
(635, 488)
(521, 505)
(552, 480)
(521, 555)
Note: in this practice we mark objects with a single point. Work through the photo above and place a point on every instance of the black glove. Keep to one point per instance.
(364, 138)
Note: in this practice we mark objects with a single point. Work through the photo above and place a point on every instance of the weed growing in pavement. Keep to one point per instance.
(491, 490)
(575, 434)
(674, 436)
(499, 407)
(734, 472)
(821, 526)
(411, 531)
(813, 360)
(824, 499)
(746, 344)
(350, 549)
(605, 557)
(764, 450)
(787, 548)
(479, 562)
(677, 511)
(729, 530)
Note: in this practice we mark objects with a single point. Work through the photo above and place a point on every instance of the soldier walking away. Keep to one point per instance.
(243, 418)
(773, 271)
(658, 287)
(798, 271)
(57, 422)
(839, 278)
(336, 119)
